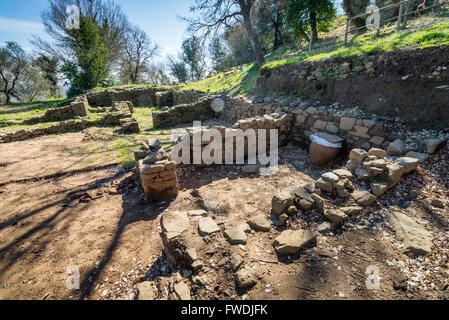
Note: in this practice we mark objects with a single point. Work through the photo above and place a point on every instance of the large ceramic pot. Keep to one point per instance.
(321, 155)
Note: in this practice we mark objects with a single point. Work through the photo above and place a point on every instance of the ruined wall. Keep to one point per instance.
(410, 85)
(186, 113)
(357, 132)
(139, 96)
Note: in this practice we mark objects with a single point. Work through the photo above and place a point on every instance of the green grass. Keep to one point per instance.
(238, 80)
(24, 111)
(436, 35)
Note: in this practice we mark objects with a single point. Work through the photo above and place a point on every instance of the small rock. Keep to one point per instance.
(437, 203)
(292, 211)
(378, 188)
(237, 235)
(335, 216)
(324, 227)
(396, 148)
(207, 226)
(330, 177)
(145, 291)
(416, 238)
(236, 260)
(342, 173)
(432, 145)
(364, 198)
(182, 291)
(358, 155)
(283, 218)
(305, 205)
(251, 169)
(291, 241)
(349, 211)
(378, 153)
(260, 223)
(246, 278)
(281, 202)
(422, 157)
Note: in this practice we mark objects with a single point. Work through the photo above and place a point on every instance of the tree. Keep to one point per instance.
(106, 26)
(178, 69)
(33, 85)
(89, 69)
(194, 57)
(270, 21)
(218, 54)
(313, 14)
(49, 66)
(354, 8)
(138, 50)
(13, 61)
(213, 15)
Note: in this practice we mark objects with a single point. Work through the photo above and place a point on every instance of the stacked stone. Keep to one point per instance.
(129, 125)
(61, 127)
(337, 182)
(157, 173)
(383, 173)
(277, 121)
(164, 98)
(357, 133)
(186, 113)
(124, 106)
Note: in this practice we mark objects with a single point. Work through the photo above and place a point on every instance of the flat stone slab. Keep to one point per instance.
(330, 137)
(364, 198)
(237, 235)
(174, 223)
(291, 241)
(416, 238)
(145, 291)
(260, 223)
(207, 226)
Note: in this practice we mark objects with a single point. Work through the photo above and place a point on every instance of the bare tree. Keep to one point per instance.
(212, 15)
(13, 61)
(108, 16)
(138, 50)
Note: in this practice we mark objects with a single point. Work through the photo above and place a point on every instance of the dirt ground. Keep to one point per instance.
(90, 213)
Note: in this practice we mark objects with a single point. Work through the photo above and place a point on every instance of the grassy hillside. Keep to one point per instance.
(241, 80)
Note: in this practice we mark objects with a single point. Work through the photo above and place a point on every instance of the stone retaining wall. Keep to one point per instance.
(108, 119)
(186, 113)
(357, 133)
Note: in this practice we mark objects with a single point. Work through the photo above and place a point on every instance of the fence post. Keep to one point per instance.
(347, 30)
(401, 8)
(404, 25)
(311, 41)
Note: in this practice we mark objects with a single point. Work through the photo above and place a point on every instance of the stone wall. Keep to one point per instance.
(71, 125)
(139, 96)
(186, 113)
(142, 96)
(77, 108)
(357, 133)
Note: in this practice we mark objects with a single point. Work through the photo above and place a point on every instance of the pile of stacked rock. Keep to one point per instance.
(373, 167)
(287, 204)
(157, 172)
(124, 106)
(129, 125)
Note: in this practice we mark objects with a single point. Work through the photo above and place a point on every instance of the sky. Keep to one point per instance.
(20, 20)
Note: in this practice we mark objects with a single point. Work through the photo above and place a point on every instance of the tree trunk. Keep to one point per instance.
(313, 24)
(8, 98)
(253, 37)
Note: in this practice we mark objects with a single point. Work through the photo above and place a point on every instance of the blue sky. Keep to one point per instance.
(20, 20)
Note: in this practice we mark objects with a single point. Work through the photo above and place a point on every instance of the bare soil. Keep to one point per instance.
(90, 213)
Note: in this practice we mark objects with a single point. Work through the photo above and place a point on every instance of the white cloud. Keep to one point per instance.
(20, 26)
